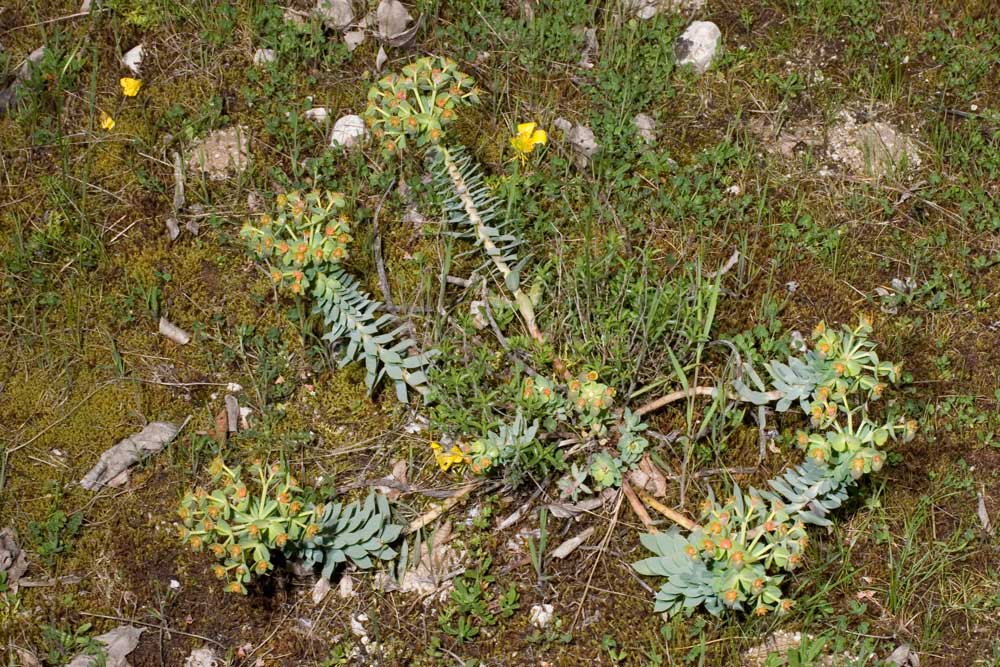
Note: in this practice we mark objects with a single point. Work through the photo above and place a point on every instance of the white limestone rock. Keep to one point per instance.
(348, 131)
(646, 127)
(647, 9)
(263, 56)
(697, 45)
(336, 14)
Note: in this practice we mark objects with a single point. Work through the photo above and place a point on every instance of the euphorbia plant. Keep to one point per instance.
(305, 242)
(241, 523)
(727, 560)
(244, 522)
(413, 108)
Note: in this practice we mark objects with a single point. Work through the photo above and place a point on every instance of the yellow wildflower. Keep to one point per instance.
(130, 86)
(527, 138)
(107, 122)
(446, 460)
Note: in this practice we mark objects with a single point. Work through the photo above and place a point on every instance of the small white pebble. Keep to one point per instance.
(541, 614)
(348, 131)
(317, 114)
(263, 56)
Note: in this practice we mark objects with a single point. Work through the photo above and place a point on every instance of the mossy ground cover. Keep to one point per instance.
(88, 269)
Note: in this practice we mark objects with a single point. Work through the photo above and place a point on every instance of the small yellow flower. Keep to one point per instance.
(527, 138)
(446, 460)
(130, 86)
(107, 122)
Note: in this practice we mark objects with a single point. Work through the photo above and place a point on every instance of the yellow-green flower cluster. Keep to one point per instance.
(541, 393)
(241, 525)
(306, 233)
(415, 106)
(481, 454)
(852, 377)
(589, 397)
(851, 366)
(739, 541)
(858, 449)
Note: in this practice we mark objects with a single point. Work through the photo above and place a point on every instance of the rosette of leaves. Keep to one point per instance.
(591, 400)
(725, 562)
(414, 106)
(689, 582)
(241, 522)
(605, 470)
(573, 483)
(304, 241)
(631, 443)
(513, 447)
(359, 533)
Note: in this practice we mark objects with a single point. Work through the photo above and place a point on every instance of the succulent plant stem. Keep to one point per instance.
(483, 236)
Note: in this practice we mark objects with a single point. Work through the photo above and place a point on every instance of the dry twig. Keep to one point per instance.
(637, 507)
(435, 512)
(673, 515)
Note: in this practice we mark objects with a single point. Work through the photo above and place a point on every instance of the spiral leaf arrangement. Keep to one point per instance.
(413, 108)
(357, 533)
(243, 522)
(729, 560)
(305, 241)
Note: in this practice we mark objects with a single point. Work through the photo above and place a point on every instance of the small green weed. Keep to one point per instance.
(54, 536)
(616, 654)
(809, 653)
(61, 646)
(537, 551)
(474, 605)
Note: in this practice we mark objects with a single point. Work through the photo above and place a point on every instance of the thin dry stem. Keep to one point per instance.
(520, 298)
(673, 515)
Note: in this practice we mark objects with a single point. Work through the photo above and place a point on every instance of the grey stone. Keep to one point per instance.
(697, 45)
